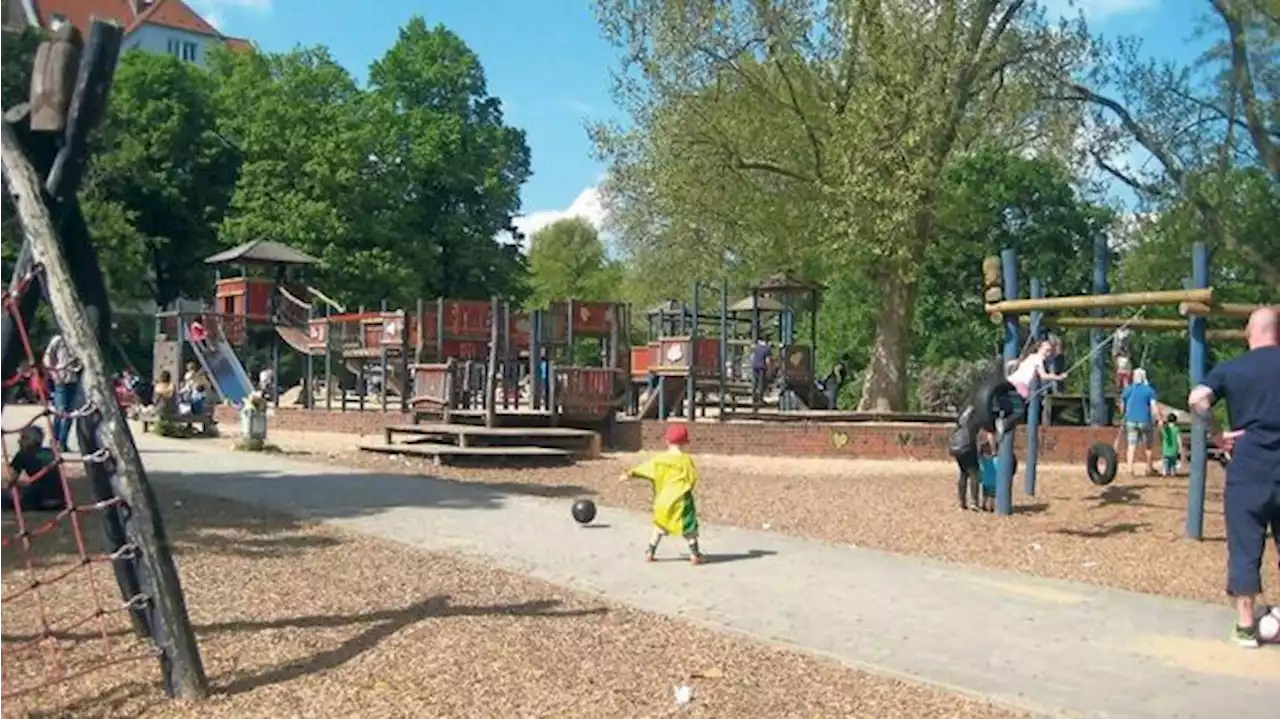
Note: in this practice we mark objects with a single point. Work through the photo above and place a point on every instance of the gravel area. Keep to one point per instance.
(1128, 535)
(300, 620)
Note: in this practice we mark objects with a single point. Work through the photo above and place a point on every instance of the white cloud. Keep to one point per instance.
(1097, 10)
(586, 205)
(216, 11)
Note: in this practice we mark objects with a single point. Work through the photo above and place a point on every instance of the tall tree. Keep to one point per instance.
(160, 180)
(451, 161)
(307, 137)
(847, 111)
(16, 58)
(1201, 121)
(567, 260)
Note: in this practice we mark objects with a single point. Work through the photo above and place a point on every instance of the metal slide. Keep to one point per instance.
(222, 367)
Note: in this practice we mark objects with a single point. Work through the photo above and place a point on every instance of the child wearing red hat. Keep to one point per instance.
(673, 476)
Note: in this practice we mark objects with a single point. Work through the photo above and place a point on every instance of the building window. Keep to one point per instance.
(183, 49)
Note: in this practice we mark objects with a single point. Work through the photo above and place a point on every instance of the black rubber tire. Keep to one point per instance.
(985, 397)
(1106, 454)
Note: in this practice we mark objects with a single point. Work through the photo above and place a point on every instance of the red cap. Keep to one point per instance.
(677, 434)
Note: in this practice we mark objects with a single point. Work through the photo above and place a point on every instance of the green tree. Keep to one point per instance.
(992, 200)
(567, 260)
(16, 57)
(160, 180)
(307, 136)
(451, 163)
(837, 119)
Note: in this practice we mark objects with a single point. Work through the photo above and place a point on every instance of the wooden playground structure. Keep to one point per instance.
(1196, 301)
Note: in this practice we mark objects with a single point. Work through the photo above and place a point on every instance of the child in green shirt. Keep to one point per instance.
(1170, 445)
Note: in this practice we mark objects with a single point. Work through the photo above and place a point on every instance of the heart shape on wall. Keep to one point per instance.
(839, 439)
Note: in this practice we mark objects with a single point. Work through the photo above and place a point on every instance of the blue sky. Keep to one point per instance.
(547, 62)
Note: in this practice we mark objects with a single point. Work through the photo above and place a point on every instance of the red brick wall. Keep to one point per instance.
(852, 441)
(790, 439)
(319, 420)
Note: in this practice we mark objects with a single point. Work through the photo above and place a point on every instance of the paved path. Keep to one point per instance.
(1055, 648)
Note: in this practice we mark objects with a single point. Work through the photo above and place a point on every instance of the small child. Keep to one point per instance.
(32, 459)
(990, 474)
(1170, 445)
(673, 476)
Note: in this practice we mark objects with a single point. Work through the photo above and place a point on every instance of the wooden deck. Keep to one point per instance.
(444, 454)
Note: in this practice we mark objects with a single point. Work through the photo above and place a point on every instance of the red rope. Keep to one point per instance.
(84, 564)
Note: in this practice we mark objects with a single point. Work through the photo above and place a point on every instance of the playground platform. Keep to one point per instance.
(447, 443)
(1053, 648)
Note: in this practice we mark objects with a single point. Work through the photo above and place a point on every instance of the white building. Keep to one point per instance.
(151, 25)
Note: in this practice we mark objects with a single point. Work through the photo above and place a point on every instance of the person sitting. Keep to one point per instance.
(1031, 367)
(163, 393)
(43, 490)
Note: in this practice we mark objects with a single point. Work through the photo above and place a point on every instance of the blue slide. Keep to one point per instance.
(222, 367)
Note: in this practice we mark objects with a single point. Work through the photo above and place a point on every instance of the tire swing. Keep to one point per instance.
(1102, 464)
(986, 400)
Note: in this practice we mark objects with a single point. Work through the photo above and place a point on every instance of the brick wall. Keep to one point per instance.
(319, 420)
(852, 441)
(790, 439)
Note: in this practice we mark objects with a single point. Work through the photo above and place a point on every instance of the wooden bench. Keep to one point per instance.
(208, 425)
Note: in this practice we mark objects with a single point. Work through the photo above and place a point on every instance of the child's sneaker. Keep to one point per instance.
(697, 559)
(1246, 637)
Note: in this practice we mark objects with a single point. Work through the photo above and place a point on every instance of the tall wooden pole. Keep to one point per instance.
(491, 377)
(174, 635)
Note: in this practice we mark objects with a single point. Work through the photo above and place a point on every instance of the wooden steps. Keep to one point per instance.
(443, 454)
(453, 442)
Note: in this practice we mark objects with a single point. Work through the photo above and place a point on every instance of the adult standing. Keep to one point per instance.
(761, 353)
(1250, 384)
(1140, 412)
(63, 368)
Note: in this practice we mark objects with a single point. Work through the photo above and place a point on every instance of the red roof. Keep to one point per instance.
(168, 13)
(175, 14)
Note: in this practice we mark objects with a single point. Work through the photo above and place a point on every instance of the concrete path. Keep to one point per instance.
(1054, 648)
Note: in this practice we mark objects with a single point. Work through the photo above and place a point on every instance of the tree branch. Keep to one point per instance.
(1242, 78)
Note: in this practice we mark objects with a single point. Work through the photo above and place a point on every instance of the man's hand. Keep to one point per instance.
(1201, 399)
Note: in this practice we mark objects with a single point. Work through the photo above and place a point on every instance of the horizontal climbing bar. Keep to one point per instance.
(1225, 309)
(1089, 302)
(1110, 323)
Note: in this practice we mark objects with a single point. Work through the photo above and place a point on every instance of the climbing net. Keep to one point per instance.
(64, 614)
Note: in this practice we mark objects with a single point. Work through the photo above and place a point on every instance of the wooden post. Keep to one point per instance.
(406, 385)
(328, 360)
(1120, 300)
(144, 527)
(691, 379)
(491, 375)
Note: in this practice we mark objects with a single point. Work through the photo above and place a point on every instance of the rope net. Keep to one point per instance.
(64, 614)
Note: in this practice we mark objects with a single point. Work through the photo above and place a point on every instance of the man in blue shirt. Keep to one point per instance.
(1140, 409)
(1251, 503)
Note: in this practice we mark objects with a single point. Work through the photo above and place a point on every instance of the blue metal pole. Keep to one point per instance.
(1033, 411)
(1004, 487)
(1199, 423)
(1098, 365)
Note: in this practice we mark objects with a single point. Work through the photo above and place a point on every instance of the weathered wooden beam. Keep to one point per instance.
(1224, 309)
(1084, 302)
(145, 529)
(1151, 324)
(88, 104)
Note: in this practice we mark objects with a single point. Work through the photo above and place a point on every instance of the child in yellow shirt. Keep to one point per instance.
(673, 476)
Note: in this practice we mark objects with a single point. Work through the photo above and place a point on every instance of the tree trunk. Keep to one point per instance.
(885, 386)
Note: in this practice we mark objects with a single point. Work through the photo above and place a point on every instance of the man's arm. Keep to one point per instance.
(1204, 395)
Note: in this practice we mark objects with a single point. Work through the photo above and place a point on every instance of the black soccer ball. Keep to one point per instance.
(584, 510)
